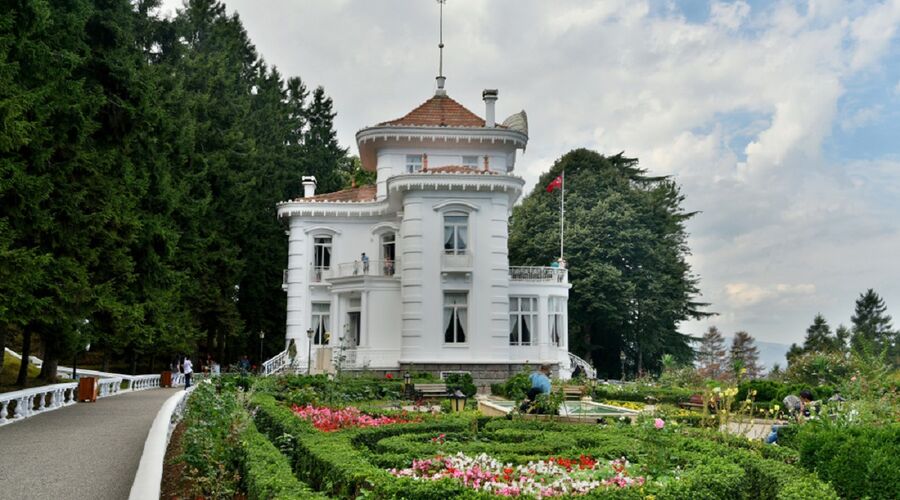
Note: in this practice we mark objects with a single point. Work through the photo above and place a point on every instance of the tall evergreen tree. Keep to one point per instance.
(872, 329)
(626, 249)
(711, 356)
(744, 355)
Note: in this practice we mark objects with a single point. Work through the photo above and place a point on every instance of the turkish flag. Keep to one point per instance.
(556, 184)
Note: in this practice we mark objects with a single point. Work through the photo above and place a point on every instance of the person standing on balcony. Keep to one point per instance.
(365, 261)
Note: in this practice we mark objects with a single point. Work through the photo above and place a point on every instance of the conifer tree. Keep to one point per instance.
(711, 356)
(626, 246)
(744, 355)
(872, 329)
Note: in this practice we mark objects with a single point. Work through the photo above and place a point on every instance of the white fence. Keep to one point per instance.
(18, 405)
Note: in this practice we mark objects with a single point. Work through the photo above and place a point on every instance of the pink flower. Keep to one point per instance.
(659, 423)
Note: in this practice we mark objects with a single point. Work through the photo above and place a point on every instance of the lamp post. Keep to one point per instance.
(262, 336)
(622, 359)
(458, 401)
(78, 349)
(309, 335)
(407, 383)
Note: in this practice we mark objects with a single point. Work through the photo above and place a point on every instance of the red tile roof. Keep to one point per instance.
(439, 111)
(458, 169)
(362, 193)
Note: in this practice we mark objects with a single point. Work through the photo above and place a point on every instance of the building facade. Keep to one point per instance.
(413, 274)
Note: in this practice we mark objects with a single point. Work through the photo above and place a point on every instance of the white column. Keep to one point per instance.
(543, 329)
(364, 319)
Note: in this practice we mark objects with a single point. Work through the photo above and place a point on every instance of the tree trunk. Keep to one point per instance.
(22, 380)
(152, 363)
(2, 346)
(51, 361)
(105, 362)
(133, 362)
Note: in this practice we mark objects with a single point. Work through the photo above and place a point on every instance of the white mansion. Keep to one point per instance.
(412, 274)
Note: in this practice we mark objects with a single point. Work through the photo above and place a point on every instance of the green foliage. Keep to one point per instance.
(819, 368)
(211, 450)
(872, 330)
(321, 390)
(860, 462)
(266, 472)
(770, 391)
(352, 463)
(626, 248)
(461, 382)
(514, 388)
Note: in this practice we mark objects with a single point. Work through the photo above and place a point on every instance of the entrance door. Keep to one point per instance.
(354, 322)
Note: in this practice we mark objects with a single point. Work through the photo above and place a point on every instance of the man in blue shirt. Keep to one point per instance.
(540, 384)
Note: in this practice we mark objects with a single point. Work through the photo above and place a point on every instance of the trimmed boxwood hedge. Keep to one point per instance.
(860, 462)
(266, 472)
(353, 462)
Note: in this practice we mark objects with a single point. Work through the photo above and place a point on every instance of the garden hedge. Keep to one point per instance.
(267, 473)
(860, 462)
(354, 462)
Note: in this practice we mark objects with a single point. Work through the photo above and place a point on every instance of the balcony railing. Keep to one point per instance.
(381, 268)
(319, 274)
(456, 262)
(538, 274)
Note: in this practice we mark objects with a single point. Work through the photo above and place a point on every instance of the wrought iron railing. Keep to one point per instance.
(538, 274)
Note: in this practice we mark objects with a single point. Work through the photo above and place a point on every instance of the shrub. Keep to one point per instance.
(860, 462)
(461, 382)
(266, 472)
(353, 463)
(515, 387)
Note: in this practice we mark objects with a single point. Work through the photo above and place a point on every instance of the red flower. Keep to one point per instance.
(389, 376)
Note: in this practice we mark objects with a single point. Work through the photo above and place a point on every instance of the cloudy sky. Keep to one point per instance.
(781, 120)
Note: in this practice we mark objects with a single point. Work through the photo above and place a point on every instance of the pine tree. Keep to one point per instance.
(872, 330)
(711, 356)
(627, 248)
(744, 355)
(323, 156)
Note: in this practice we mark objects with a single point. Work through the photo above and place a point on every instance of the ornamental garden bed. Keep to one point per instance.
(470, 456)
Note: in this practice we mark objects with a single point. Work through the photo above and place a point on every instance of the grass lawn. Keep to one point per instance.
(11, 371)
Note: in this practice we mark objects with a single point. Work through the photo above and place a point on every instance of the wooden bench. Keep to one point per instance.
(573, 392)
(695, 402)
(430, 390)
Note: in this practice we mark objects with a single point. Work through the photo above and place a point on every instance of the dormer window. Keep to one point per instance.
(413, 163)
(470, 161)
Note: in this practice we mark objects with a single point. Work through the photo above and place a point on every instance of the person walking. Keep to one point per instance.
(188, 368)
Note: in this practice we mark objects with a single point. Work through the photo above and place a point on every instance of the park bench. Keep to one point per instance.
(695, 402)
(573, 392)
(430, 390)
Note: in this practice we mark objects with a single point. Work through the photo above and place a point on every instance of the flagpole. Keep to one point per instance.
(562, 219)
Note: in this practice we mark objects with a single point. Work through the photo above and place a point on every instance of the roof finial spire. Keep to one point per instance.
(441, 78)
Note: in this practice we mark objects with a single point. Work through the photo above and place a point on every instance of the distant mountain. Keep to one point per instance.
(772, 353)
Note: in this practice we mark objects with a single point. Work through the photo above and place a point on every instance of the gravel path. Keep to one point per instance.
(89, 450)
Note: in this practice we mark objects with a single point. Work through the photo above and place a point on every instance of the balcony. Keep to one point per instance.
(377, 268)
(456, 262)
(538, 274)
(319, 275)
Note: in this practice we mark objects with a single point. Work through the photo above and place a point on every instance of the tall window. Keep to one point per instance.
(456, 233)
(321, 316)
(413, 163)
(470, 161)
(388, 256)
(557, 316)
(322, 252)
(455, 316)
(522, 318)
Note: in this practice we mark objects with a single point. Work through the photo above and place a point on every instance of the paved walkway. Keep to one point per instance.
(89, 450)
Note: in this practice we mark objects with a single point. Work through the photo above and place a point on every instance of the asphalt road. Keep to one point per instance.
(86, 451)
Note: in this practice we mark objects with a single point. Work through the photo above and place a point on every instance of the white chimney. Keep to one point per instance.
(309, 186)
(490, 97)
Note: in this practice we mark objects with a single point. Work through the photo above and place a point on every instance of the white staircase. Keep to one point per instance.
(588, 370)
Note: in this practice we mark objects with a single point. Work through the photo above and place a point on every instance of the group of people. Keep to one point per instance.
(364, 263)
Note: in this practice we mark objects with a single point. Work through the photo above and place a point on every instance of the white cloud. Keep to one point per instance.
(739, 109)
(730, 15)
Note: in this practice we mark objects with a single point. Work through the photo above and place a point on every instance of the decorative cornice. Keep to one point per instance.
(454, 134)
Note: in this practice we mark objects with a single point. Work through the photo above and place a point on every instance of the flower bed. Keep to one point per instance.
(674, 461)
(329, 420)
(552, 477)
